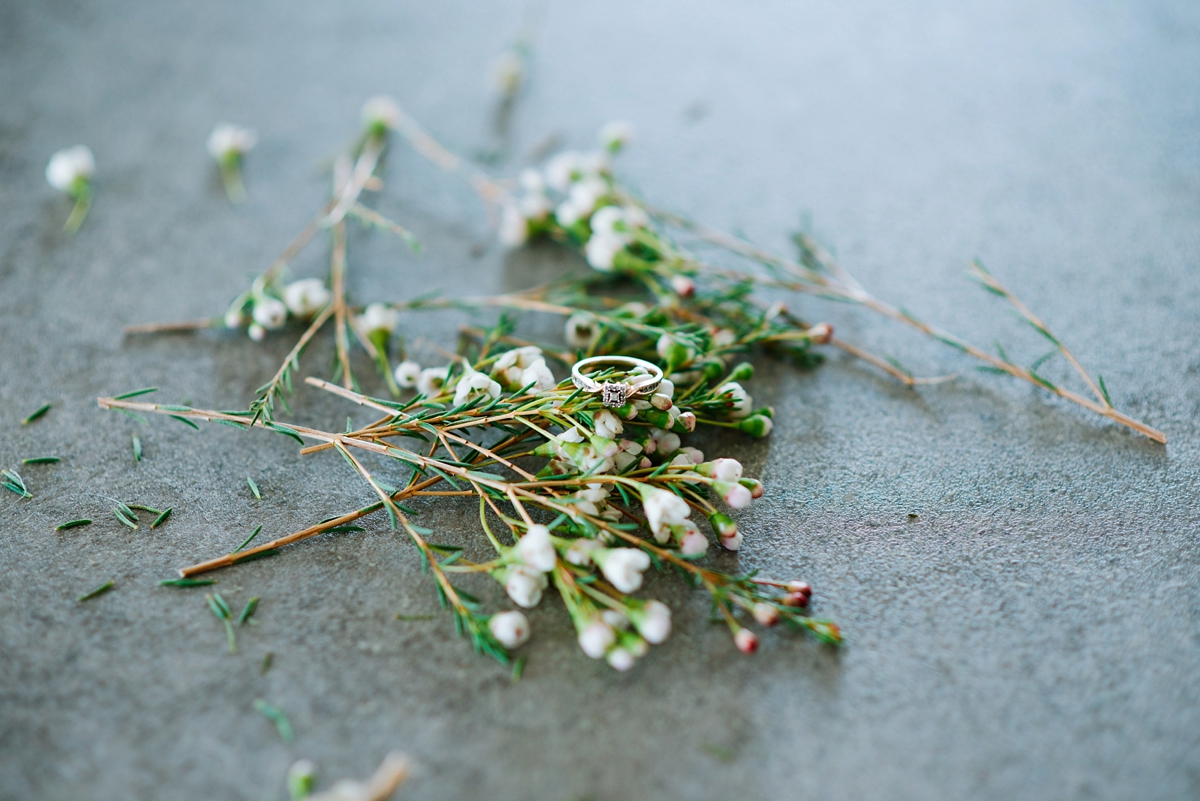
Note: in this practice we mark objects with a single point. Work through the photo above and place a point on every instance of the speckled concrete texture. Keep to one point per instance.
(1031, 634)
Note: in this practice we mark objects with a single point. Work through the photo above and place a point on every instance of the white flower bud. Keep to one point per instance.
(381, 111)
(623, 567)
(586, 194)
(605, 221)
(379, 317)
(524, 585)
(746, 641)
(734, 494)
(510, 628)
(665, 387)
(514, 228)
(684, 287)
(474, 384)
(608, 425)
(654, 622)
(596, 638)
(732, 542)
(539, 375)
(518, 357)
(615, 619)
(306, 297)
(742, 403)
(69, 165)
(582, 330)
(580, 552)
(615, 135)
(228, 140)
(562, 169)
(256, 332)
(270, 312)
(765, 614)
(432, 381)
(693, 542)
(620, 659)
(407, 374)
(536, 548)
(234, 318)
(663, 509)
(602, 249)
(660, 401)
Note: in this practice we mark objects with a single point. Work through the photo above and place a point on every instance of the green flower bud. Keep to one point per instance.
(657, 418)
(743, 372)
(723, 524)
(757, 425)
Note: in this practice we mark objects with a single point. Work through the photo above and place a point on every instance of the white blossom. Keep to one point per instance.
(619, 659)
(693, 542)
(605, 220)
(580, 552)
(379, 317)
(536, 549)
(270, 312)
(227, 140)
(615, 135)
(407, 374)
(602, 249)
(306, 297)
(733, 493)
(234, 318)
(517, 357)
(596, 638)
(582, 330)
(256, 332)
(510, 628)
(654, 622)
(608, 425)
(586, 194)
(741, 400)
(472, 385)
(562, 169)
(524, 585)
(567, 214)
(663, 509)
(432, 380)
(381, 111)
(68, 166)
(514, 228)
(539, 376)
(623, 568)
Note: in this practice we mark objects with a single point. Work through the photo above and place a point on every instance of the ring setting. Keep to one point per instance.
(646, 378)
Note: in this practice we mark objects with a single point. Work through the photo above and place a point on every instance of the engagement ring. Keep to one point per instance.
(645, 378)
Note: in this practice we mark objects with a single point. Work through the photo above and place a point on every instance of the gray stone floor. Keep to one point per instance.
(1032, 634)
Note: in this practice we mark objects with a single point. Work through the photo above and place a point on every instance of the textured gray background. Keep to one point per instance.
(1032, 635)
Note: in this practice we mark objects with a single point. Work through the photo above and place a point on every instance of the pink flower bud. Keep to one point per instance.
(683, 285)
(765, 614)
(802, 587)
(746, 641)
(735, 495)
(688, 421)
(733, 542)
(693, 543)
(754, 485)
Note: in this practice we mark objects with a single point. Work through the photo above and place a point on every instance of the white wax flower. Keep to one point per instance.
(381, 111)
(474, 384)
(693, 543)
(580, 552)
(432, 380)
(734, 494)
(536, 549)
(407, 374)
(518, 357)
(619, 659)
(666, 387)
(562, 169)
(539, 376)
(623, 568)
(694, 455)
(605, 220)
(608, 425)
(234, 318)
(666, 442)
(741, 400)
(586, 193)
(69, 166)
(524, 585)
(514, 228)
(596, 638)
(726, 469)
(306, 297)
(602, 249)
(228, 140)
(531, 181)
(510, 628)
(615, 135)
(595, 492)
(270, 312)
(654, 622)
(732, 542)
(256, 332)
(663, 509)
(567, 213)
(582, 330)
(379, 317)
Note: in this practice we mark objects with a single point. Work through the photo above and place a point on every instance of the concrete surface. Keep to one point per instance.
(1032, 634)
